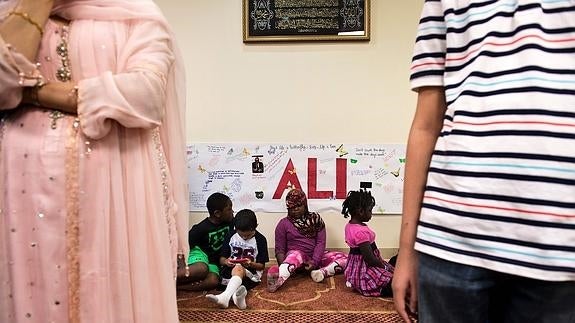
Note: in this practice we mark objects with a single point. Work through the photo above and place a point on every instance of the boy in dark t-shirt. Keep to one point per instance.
(206, 239)
(243, 259)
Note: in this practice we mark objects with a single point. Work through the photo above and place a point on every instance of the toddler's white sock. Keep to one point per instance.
(223, 300)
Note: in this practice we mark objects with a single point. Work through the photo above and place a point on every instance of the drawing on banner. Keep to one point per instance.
(257, 164)
(258, 176)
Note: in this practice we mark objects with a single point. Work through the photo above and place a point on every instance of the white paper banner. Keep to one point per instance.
(258, 176)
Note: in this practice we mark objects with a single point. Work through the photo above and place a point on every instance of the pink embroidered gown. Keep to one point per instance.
(88, 223)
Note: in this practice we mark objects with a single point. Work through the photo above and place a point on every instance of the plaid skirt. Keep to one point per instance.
(368, 281)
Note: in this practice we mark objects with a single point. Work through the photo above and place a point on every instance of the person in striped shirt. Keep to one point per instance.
(488, 227)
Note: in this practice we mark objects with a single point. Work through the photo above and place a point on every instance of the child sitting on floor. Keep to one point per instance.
(243, 259)
(206, 239)
(300, 243)
(366, 271)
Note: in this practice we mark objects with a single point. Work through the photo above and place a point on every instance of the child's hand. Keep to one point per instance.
(247, 263)
(228, 263)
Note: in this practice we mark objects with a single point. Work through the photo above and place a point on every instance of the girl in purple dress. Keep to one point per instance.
(300, 244)
(366, 271)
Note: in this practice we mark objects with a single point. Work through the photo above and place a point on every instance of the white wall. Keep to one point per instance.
(352, 92)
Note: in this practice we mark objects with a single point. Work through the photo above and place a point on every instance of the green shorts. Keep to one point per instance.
(198, 255)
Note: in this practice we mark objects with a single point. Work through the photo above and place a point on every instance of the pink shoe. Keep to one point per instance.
(272, 275)
(273, 278)
(277, 284)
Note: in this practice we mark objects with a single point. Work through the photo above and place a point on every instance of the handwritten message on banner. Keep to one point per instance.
(258, 176)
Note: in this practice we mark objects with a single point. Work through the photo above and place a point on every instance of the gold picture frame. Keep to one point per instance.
(306, 20)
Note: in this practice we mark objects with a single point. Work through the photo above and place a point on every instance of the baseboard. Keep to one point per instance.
(386, 253)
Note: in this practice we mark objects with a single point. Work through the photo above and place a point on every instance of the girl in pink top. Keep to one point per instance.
(366, 271)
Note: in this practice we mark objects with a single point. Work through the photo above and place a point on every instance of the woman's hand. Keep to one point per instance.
(181, 261)
(24, 26)
(55, 95)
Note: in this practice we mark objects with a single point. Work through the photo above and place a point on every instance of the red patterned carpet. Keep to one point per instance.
(298, 300)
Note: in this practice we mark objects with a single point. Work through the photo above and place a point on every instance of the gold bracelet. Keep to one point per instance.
(26, 17)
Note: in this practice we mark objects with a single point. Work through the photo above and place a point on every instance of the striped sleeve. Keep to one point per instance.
(428, 63)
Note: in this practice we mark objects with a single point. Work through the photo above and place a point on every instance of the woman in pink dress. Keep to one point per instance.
(93, 200)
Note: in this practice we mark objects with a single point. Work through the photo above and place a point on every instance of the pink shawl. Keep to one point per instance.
(171, 135)
(172, 131)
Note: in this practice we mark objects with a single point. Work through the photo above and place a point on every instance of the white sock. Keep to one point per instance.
(224, 298)
(252, 277)
(317, 275)
(284, 271)
(330, 269)
(239, 297)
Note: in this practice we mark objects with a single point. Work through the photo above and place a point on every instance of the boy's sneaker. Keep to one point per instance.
(317, 275)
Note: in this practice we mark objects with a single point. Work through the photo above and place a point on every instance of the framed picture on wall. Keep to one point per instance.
(305, 20)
